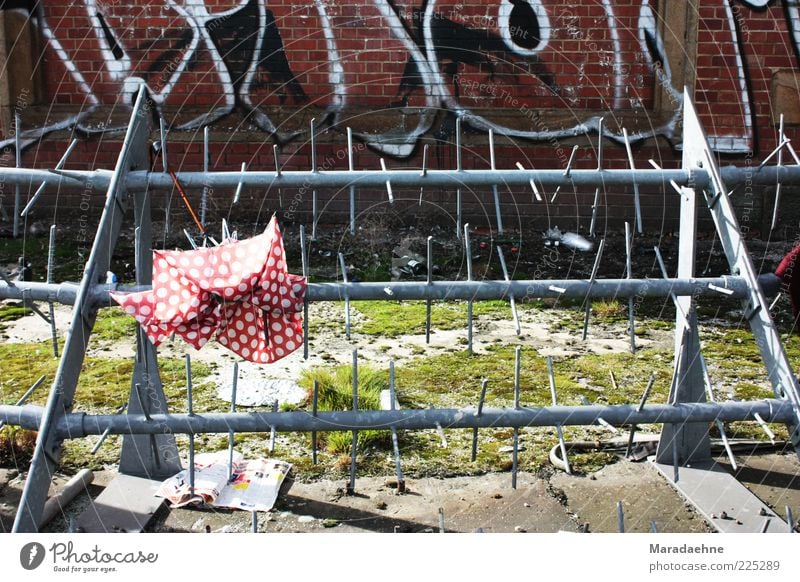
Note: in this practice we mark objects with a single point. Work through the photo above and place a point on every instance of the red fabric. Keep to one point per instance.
(789, 272)
(241, 291)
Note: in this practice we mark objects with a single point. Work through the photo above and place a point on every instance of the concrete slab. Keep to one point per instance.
(727, 504)
(645, 496)
(126, 505)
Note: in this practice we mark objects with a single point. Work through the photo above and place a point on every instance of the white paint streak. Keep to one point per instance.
(503, 17)
(336, 71)
(647, 25)
(619, 78)
(388, 142)
(747, 118)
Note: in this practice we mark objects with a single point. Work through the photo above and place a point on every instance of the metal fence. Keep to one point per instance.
(149, 448)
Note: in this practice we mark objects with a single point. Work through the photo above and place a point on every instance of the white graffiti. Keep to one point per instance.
(432, 70)
(507, 31)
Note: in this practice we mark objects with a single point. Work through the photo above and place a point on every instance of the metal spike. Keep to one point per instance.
(428, 301)
(346, 297)
(636, 201)
(239, 187)
(388, 183)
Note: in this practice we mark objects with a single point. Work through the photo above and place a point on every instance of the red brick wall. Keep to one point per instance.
(540, 72)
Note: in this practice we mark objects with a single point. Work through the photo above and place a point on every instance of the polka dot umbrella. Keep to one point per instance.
(241, 291)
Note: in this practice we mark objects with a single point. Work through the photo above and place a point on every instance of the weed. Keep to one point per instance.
(16, 446)
(335, 392)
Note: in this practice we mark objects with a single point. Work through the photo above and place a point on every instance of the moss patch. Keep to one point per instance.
(13, 311)
(395, 318)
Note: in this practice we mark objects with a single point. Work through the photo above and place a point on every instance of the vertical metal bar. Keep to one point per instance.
(18, 164)
(663, 267)
(495, 192)
(51, 251)
(458, 144)
(562, 444)
(636, 201)
(484, 383)
(163, 136)
(468, 252)
(240, 185)
(595, 208)
(313, 145)
(190, 412)
(352, 188)
(351, 488)
(720, 426)
(600, 126)
(428, 301)
(314, 213)
(588, 309)
(629, 269)
(167, 212)
(778, 185)
(515, 445)
(189, 395)
(458, 213)
(137, 248)
(675, 459)
(314, 404)
(276, 156)
(346, 297)
(424, 170)
(272, 432)
(620, 517)
(388, 183)
(204, 195)
(441, 520)
(645, 395)
(401, 484)
(255, 521)
(233, 409)
(304, 258)
(511, 298)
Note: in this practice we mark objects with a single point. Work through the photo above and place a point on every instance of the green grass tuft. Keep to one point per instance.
(336, 393)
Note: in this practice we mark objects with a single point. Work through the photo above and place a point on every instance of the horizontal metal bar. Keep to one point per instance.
(140, 180)
(78, 425)
(419, 290)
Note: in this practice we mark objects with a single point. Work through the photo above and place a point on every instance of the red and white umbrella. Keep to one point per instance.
(241, 291)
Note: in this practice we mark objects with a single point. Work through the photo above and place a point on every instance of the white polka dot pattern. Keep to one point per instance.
(241, 291)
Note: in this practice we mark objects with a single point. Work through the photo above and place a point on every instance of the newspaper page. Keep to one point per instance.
(255, 487)
(210, 479)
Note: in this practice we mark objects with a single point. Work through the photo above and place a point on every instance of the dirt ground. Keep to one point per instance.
(486, 503)
(548, 502)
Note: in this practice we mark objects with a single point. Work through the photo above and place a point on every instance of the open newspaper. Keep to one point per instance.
(253, 487)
